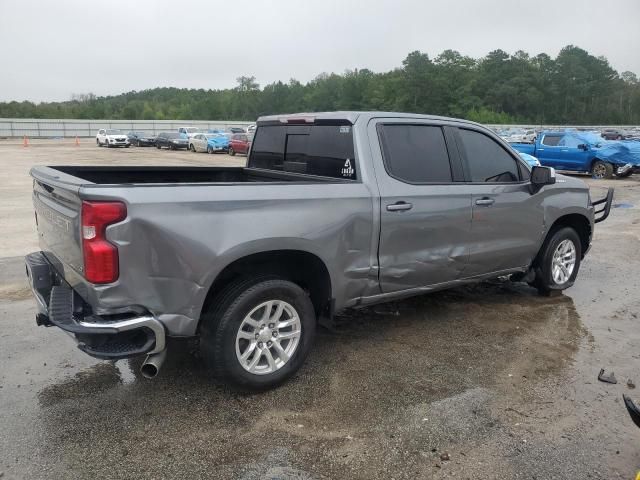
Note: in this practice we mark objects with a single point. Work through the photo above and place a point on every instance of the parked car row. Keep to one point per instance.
(529, 135)
(232, 141)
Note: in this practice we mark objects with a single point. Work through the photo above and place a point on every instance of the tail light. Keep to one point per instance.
(100, 256)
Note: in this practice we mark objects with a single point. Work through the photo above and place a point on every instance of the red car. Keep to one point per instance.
(239, 143)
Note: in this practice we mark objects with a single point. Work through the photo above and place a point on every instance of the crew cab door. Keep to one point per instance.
(572, 157)
(425, 213)
(507, 221)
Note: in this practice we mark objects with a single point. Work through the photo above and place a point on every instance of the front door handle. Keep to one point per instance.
(399, 206)
(485, 201)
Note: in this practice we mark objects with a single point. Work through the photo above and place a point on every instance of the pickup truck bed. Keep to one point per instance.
(179, 175)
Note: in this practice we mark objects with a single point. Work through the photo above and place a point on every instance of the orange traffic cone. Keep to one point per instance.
(25, 142)
(77, 141)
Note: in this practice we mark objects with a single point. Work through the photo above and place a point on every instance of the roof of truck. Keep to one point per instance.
(352, 116)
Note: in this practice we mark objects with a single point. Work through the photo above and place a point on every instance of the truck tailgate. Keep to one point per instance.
(57, 207)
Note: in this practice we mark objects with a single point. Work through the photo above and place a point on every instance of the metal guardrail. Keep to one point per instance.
(63, 128)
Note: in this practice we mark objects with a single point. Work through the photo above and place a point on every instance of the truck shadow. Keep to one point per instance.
(380, 362)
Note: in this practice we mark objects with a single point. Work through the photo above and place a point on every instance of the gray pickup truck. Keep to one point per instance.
(333, 210)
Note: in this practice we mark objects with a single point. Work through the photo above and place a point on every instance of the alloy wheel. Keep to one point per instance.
(268, 337)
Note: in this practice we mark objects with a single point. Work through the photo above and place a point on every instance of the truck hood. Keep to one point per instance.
(565, 181)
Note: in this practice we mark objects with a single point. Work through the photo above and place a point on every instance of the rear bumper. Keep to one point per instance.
(114, 338)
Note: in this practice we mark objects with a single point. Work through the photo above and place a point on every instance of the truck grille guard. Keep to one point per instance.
(604, 211)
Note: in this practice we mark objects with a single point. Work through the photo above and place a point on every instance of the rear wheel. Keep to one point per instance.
(258, 332)
(209, 149)
(231, 151)
(558, 262)
(98, 142)
(192, 147)
(600, 170)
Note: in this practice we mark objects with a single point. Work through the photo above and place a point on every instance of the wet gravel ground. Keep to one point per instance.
(486, 381)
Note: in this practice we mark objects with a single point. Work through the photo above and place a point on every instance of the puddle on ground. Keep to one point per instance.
(378, 373)
(622, 205)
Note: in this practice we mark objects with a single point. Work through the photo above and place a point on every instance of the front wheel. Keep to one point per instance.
(600, 170)
(232, 151)
(258, 332)
(558, 262)
(209, 149)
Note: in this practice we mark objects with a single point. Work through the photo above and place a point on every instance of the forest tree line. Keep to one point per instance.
(573, 88)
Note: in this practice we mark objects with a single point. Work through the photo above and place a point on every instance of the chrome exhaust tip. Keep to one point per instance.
(152, 364)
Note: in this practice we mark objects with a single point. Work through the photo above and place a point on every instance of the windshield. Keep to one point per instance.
(137, 134)
(191, 129)
(173, 135)
(214, 135)
(114, 132)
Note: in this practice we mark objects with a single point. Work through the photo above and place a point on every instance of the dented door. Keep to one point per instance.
(425, 218)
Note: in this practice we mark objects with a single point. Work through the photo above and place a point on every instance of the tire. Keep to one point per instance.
(232, 152)
(98, 142)
(221, 344)
(548, 277)
(192, 147)
(158, 146)
(127, 146)
(209, 149)
(600, 170)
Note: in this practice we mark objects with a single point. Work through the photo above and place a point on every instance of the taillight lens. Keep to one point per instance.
(100, 256)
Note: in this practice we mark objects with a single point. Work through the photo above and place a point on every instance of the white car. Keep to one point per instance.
(112, 138)
(523, 136)
(251, 128)
(188, 132)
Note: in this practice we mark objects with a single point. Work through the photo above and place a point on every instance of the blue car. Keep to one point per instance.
(577, 151)
(217, 142)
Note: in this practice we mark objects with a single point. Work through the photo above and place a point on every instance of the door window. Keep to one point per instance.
(551, 140)
(488, 161)
(415, 153)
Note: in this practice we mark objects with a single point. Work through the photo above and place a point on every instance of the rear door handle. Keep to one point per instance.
(399, 206)
(485, 201)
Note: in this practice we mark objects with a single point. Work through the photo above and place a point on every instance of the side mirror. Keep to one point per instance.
(541, 176)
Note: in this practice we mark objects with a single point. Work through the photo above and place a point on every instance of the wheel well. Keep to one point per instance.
(302, 268)
(579, 223)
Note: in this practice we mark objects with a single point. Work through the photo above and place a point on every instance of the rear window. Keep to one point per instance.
(325, 150)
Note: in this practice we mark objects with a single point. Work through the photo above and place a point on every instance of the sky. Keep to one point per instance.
(53, 49)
